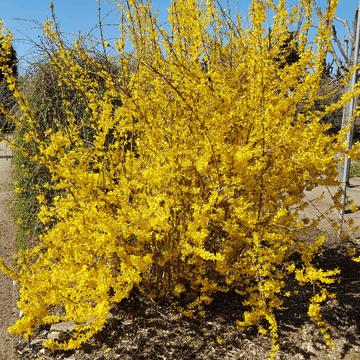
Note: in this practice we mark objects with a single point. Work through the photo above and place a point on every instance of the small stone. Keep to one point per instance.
(352, 356)
(61, 331)
(111, 322)
(127, 323)
(333, 302)
(298, 357)
(37, 342)
(72, 357)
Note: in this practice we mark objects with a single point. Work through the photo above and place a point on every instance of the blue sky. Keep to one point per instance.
(75, 15)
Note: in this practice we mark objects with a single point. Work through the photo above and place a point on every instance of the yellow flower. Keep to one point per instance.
(41, 198)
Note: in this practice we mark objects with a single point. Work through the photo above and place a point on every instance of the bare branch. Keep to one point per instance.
(346, 46)
(339, 45)
(338, 62)
(346, 26)
(355, 21)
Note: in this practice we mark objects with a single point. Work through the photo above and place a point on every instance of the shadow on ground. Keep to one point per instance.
(140, 329)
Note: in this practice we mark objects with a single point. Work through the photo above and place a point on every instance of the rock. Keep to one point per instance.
(298, 357)
(333, 303)
(61, 331)
(352, 356)
(37, 342)
(72, 357)
(111, 322)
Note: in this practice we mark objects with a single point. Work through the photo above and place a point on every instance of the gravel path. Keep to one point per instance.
(7, 249)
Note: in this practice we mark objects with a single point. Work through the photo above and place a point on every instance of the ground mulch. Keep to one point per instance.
(141, 329)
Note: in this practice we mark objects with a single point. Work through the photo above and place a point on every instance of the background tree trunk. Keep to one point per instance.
(343, 69)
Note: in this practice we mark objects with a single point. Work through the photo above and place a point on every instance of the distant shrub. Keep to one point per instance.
(46, 99)
(6, 95)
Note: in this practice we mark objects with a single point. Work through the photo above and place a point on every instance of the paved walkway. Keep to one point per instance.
(318, 207)
(8, 311)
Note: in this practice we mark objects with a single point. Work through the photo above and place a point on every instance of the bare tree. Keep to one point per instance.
(347, 50)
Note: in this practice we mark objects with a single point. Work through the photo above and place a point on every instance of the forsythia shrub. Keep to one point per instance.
(208, 198)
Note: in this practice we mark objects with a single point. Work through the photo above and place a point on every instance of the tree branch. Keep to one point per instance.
(339, 45)
(346, 46)
(355, 22)
(346, 26)
(338, 62)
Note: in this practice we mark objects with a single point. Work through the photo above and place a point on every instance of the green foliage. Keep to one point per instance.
(6, 95)
(6, 98)
(49, 103)
(30, 178)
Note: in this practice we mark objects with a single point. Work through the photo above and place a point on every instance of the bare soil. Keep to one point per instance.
(141, 329)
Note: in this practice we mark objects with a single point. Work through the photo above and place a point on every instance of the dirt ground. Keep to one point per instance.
(8, 310)
(140, 329)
